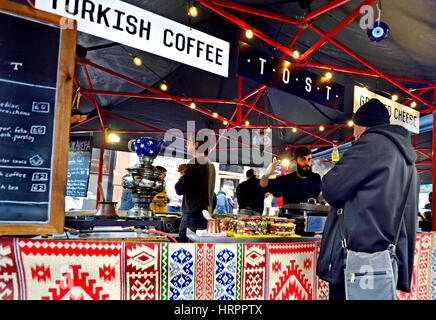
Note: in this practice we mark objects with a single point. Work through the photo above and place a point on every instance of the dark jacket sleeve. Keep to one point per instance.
(186, 181)
(348, 173)
(273, 186)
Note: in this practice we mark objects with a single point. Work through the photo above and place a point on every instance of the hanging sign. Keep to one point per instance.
(399, 114)
(281, 74)
(138, 28)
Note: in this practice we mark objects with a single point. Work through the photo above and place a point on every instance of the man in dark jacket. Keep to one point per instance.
(369, 183)
(196, 184)
(250, 196)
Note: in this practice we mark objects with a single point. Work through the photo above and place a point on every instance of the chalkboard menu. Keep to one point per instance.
(79, 161)
(36, 69)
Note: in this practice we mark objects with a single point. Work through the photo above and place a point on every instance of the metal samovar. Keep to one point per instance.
(144, 180)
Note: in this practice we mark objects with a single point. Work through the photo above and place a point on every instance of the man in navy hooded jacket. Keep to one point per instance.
(369, 183)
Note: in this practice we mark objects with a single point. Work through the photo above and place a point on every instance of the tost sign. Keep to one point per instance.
(399, 114)
(281, 74)
(138, 28)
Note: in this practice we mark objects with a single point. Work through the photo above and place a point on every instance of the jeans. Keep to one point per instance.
(191, 220)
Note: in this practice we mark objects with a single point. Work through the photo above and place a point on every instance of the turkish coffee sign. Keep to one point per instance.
(138, 28)
(399, 114)
(281, 74)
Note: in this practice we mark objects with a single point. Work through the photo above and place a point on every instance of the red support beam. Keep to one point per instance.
(327, 7)
(326, 37)
(433, 170)
(370, 66)
(259, 94)
(99, 112)
(100, 162)
(251, 10)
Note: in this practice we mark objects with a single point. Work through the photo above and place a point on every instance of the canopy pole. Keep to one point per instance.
(100, 161)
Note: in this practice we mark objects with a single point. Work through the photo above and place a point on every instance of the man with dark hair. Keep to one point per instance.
(298, 186)
(250, 197)
(369, 184)
(196, 184)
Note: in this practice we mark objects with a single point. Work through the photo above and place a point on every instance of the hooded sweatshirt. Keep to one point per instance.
(369, 183)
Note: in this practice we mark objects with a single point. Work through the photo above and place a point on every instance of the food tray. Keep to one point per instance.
(232, 234)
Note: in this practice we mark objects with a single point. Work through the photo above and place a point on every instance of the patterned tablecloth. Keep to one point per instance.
(60, 269)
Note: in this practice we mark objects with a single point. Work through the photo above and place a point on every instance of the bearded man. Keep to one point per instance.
(294, 187)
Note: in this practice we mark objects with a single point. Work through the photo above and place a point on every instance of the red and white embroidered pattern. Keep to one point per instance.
(200, 272)
(9, 284)
(70, 270)
(208, 278)
(253, 271)
(322, 287)
(291, 276)
(143, 271)
(424, 266)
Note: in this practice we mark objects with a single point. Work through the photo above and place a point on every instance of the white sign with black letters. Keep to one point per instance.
(399, 114)
(138, 28)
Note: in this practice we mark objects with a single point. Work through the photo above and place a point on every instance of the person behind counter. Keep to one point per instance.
(250, 197)
(298, 186)
(369, 183)
(196, 184)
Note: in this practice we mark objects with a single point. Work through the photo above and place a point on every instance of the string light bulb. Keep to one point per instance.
(413, 104)
(247, 123)
(192, 105)
(394, 97)
(285, 163)
(193, 11)
(249, 34)
(112, 137)
(296, 54)
(350, 123)
(163, 86)
(137, 61)
(294, 130)
(215, 115)
(286, 63)
(225, 122)
(321, 128)
(328, 76)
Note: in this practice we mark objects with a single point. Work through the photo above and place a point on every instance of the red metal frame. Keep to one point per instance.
(237, 119)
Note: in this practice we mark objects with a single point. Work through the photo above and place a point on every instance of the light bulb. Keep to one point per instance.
(113, 138)
(163, 86)
(192, 105)
(193, 11)
(294, 130)
(137, 61)
(286, 63)
(328, 76)
(215, 115)
(285, 163)
(249, 34)
(413, 104)
(247, 123)
(296, 54)
(321, 128)
(225, 122)
(350, 123)
(394, 97)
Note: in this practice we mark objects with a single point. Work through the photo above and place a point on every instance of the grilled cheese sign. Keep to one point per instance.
(399, 113)
(138, 28)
